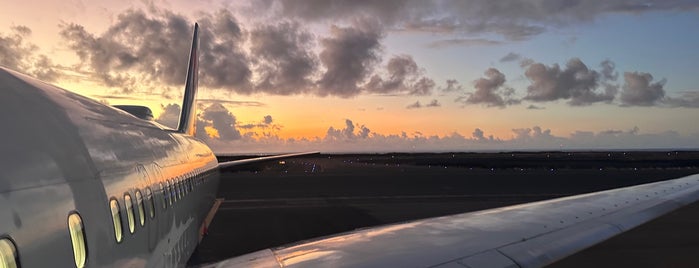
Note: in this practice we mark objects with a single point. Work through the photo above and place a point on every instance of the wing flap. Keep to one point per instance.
(529, 235)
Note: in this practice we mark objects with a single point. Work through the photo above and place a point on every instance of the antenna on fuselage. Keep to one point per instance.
(188, 116)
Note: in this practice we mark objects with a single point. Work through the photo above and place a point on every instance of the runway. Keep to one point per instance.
(279, 204)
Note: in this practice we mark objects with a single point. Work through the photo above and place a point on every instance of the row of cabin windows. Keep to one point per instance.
(173, 190)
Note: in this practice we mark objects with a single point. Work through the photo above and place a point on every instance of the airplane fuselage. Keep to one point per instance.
(64, 154)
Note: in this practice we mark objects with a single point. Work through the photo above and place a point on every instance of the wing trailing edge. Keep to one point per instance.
(188, 115)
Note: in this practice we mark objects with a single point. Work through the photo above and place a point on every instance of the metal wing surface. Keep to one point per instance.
(527, 235)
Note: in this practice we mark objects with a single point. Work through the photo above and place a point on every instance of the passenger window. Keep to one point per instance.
(141, 209)
(8, 254)
(129, 212)
(164, 191)
(169, 192)
(116, 218)
(173, 190)
(180, 191)
(151, 202)
(77, 237)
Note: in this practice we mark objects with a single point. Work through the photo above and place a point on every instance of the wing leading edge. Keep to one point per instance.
(528, 235)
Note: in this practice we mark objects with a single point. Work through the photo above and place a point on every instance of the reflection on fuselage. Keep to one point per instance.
(71, 154)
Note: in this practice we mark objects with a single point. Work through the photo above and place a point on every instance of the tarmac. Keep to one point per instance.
(299, 199)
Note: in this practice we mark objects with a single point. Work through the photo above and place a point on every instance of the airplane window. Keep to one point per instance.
(141, 209)
(164, 191)
(178, 194)
(151, 202)
(173, 190)
(116, 218)
(169, 192)
(181, 184)
(77, 237)
(184, 184)
(129, 212)
(8, 254)
(178, 182)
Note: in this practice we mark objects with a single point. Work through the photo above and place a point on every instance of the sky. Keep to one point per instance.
(381, 76)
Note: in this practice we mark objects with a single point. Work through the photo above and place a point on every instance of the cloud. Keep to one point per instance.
(20, 55)
(348, 132)
(639, 91)
(403, 76)
(415, 105)
(155, 47)
(170, 116)
(418, 105)
(463, 42)
(688, 99)
(349, 56)
(217, 119)
(534, 107)
(263, 125)
(514, 21)
(511, 57)
(576, 83)
(490, 91)
(355, 137)
(286, 62)
(452, 85)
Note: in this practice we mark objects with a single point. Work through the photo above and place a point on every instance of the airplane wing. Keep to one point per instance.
(527, 235)
(247, 161)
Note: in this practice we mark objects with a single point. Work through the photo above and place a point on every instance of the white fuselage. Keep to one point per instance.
(63, 153)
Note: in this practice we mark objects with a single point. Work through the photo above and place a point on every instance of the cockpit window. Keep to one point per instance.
(141, 209)
(8, 254)
(116, 218)
(129, 212)
(150, 202)
(77, 237)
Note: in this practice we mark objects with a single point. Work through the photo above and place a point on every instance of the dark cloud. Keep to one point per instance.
(20, 55)
(415, 105)
(286, 62)
(452, 85)
(170, 115)
(639, 91)
(349, 56)
(418, 105)
(513, 20)
(348, 132)
(511, 57)
(224, 122)
(156, 46)
(490, 91)
(433, 103)
(576, 83)
(686, 99)
(463, 42)
(13, 49)
(264, 124)
(534, 107)
(403, 76)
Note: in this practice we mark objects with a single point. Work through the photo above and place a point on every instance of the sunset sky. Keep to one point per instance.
(380, 76)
